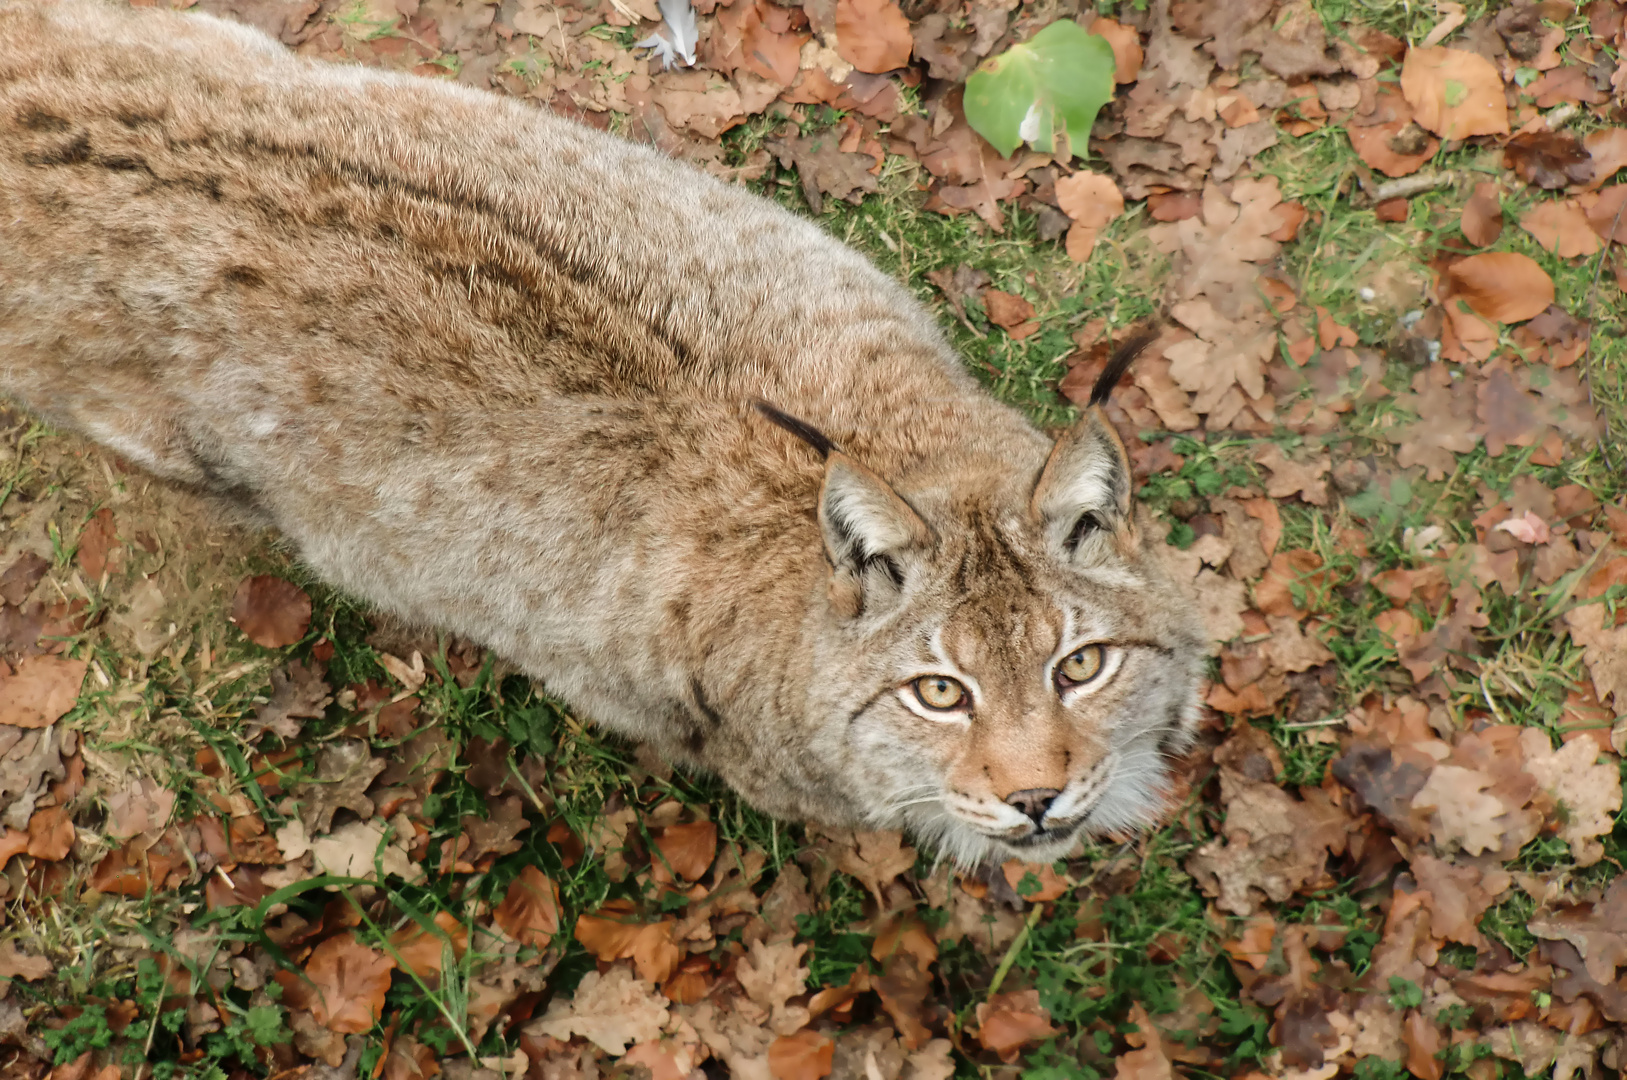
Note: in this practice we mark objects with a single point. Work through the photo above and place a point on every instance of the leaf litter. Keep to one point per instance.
(1395, 848)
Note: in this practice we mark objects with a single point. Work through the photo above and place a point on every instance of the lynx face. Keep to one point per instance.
(1022, 668)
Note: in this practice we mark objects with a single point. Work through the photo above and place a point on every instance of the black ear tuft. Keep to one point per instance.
(800, 428)
(1120, 362)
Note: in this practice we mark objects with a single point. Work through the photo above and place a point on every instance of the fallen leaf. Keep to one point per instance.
(1528, 528)
(271, 612)
(771, 974)
(16, 964)
(98, 552)
(1051, 885)
(1150, 1061)
(345, 769)
(1305, 478)
(1588, 792)
(1597, 931)
(1606, 215)
(1608, 149)
(1006, 309)
(1482, 220)
(1423, 1040)
(872, 35)
(610, 1010)
(1253, 946)
(1561, 227)
(425, 951)
(1548, 159)
(1008, 1022)
(1089, 198)
(824, 168)
(1393, 144)
(344, 984)
(1502, 285)
(530, 909)
(685, 850)
(614, 932)
(40, 691)
(1127, 51)
(1453, 93)
(298, 692)
(21, 576)
(51, 833)
(1288, 572)
(807, 1055)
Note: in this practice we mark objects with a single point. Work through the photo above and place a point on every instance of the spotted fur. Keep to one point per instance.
(700, 468)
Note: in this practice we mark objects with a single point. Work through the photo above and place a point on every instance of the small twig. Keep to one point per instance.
(1560, 116)
(1405, 187)
(1016, 945)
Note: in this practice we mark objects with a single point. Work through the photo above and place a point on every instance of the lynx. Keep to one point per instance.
(703, 471)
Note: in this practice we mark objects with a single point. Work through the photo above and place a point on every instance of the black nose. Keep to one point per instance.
(1033, 801)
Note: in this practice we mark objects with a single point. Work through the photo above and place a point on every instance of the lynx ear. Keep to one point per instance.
(870, 535)
(1084, 489)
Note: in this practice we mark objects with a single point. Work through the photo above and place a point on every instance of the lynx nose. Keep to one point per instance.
(1033, 801)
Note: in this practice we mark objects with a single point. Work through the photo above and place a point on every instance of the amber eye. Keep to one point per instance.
(1080, 666)
(939, 692)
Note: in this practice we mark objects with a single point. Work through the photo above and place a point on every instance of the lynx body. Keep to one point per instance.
(498, 373)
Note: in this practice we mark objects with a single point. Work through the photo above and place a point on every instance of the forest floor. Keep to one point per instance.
(250, 829)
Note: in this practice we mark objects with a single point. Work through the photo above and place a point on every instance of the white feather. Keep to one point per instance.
(678, 43)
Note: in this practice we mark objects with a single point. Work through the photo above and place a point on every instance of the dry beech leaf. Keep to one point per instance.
(1253, 945)
(1290, 216)
(804, 1056)
(40, 690)
(1548, 159)
(424, 951)
(1561, 227)
(1008, 1022)
(1051, 884)
(21, 576)
(872, 35)
(1606, 215)
(271, 612)
(1396, 147)
(529, 912)
(1608, 149)
(687, 850)
(1454, 93)
(614, 933)
(1504, 286)
(1127, 52)
(1482, 220)
(344, 984)
(1289, 570)
(1005, 309)
(97, 552)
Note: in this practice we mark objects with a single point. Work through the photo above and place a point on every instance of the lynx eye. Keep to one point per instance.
(939, 692)
(1080, 666)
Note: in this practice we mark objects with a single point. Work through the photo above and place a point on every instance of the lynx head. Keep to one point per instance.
(1016, 666)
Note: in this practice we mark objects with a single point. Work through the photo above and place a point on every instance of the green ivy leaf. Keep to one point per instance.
(1054, 83)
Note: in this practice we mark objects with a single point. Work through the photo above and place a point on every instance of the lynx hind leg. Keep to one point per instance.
(139, 424)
